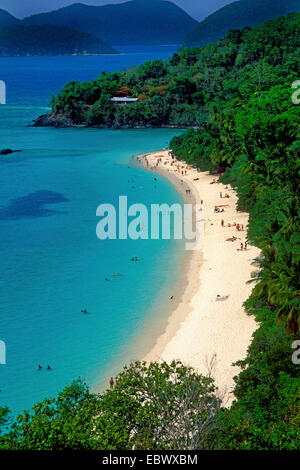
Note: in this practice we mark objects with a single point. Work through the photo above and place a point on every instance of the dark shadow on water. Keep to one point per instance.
(32, 206)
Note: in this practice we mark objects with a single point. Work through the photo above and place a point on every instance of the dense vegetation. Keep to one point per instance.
(240, 92)
(237, 15)
(6, 18)
(158, 407)
(184, 90)
(253, 134)
(132, 22)
(22, 40)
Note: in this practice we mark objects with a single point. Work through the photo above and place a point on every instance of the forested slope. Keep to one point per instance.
(184, 90)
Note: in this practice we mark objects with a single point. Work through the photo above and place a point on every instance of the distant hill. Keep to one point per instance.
(35, 40)
(238, 15)
(6, 18)
(137, 22)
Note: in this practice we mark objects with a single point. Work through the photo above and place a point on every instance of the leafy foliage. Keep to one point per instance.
(254, 143)
(190, 88)
(159, 406)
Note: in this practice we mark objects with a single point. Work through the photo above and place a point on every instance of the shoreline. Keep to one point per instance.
(201, 332)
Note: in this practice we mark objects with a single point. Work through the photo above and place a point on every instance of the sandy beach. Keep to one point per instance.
(202, 332)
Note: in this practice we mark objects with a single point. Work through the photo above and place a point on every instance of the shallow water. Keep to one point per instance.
(52, 264)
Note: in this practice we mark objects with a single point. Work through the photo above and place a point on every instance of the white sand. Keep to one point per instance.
(201, 330)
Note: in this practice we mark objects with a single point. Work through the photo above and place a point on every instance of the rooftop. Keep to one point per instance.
(123, 100)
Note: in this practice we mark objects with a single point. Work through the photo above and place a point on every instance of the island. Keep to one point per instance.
(42, 40)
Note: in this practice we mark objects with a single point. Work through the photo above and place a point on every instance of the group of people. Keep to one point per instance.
(114, 275)
(40, 367)
(239, 227)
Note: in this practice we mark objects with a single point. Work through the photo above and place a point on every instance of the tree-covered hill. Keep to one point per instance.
(6, 18)
(134, 22)
(36, 40)
(183, 90)
(238, 15)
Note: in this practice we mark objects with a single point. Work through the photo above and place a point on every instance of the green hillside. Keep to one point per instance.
(181, 91)
(238, 15)
(134, 22)
(6, 18)
(35, 40)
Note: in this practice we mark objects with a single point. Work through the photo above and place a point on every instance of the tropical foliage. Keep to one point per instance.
(157, 407)
(191, 88)
(238, 95)
(252, 139)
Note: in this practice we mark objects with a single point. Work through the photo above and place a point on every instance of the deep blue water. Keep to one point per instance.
(32, 80)
(52, 264)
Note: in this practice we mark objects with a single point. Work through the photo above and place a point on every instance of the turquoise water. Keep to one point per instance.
(52, 264)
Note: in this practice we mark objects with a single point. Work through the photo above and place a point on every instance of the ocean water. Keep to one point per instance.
(52, 264)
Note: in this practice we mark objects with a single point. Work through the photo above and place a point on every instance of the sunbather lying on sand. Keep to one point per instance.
(221, 297)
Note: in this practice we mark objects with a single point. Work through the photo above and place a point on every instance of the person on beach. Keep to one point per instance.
(221, 297)
(222, 223)
(111, 382)
(171, 298)
(232, 239)
(246, 245)
(221, 195)
(242, 246)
